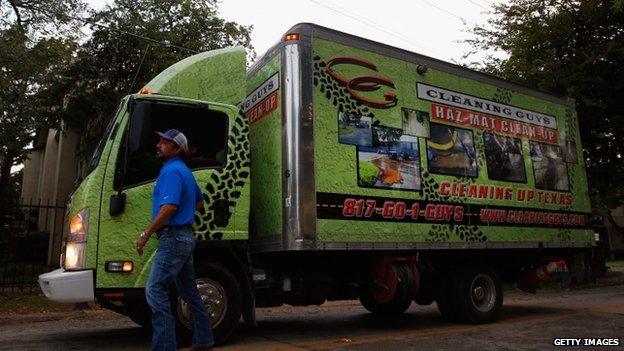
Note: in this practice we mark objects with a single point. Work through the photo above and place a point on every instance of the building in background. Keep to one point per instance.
(49, 177)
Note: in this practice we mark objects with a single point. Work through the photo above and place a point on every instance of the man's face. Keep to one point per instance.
(166, 149)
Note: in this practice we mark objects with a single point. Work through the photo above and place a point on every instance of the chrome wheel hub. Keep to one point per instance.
(483, 293)
(214, 298)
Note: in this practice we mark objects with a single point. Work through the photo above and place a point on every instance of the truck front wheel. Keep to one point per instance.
(221, 294)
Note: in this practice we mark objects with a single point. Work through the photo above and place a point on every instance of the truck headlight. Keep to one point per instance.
(75, 256)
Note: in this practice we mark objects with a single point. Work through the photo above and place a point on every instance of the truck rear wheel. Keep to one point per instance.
(222, 297)
(476, 294)
(443, 298)
(401, 300)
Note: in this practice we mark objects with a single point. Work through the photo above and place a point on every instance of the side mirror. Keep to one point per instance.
(117, 204)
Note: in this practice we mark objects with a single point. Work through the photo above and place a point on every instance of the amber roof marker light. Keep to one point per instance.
(291, 37)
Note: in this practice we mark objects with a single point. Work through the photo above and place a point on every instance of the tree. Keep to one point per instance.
(132, 41)
(572, 48)
(41, 18)
(46, 77)
(33, 47)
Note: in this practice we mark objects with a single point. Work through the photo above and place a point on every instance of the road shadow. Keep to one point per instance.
(306, 326)
(108, 339)
(517, 312)
(357, 323)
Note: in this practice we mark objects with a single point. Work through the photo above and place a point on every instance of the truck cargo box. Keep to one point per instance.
(359, 145)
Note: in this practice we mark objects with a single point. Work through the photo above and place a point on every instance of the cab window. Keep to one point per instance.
(109, 134)
(205, 129)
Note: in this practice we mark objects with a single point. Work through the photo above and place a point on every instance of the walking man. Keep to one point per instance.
(175, 198)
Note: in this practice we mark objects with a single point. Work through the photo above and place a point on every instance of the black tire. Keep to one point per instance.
(443, 297)
(426, 294)
(401, 301)
(143, 320)
(225, 316)
(476, 295)
(140, 313)
(424, 300)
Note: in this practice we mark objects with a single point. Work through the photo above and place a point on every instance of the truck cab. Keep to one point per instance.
(111, 206)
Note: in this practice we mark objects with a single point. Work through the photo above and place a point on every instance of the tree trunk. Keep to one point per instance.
(5, 183)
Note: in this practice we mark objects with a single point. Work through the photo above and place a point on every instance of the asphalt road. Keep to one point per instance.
(528, 322)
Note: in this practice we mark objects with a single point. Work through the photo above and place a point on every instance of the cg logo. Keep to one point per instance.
(362, 82)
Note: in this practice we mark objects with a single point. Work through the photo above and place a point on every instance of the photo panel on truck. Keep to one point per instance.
(406, 154)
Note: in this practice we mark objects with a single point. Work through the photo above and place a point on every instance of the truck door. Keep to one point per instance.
(217, 135)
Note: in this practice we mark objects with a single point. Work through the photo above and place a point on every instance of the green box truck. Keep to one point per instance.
(336, 168)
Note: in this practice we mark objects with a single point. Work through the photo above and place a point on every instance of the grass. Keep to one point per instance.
(368, 173)
(19, 303)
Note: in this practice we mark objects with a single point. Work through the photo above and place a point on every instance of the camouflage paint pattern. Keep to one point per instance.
(337, 163)
(186, 81)
(88, 195)
(209, 77)
(217, 75)
(266, 156)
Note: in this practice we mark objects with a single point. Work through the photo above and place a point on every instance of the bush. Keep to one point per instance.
(368, 173)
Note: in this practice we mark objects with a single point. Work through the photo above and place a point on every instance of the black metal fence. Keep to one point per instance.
(30, 243)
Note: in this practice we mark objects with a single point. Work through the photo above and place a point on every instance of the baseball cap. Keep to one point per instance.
(177, 137)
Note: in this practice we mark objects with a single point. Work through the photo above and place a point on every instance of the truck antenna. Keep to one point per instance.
(136, 74)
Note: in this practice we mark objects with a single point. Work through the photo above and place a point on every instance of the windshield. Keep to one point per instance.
(108, 134)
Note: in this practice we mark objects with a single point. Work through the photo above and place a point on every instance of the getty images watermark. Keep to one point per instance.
(586, 342)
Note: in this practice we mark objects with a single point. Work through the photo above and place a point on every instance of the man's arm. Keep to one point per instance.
(199, 198)
(165, 213)
(199, 206)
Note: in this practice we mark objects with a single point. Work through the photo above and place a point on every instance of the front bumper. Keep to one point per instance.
(68, 286)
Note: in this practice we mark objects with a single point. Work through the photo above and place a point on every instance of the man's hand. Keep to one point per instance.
(140, 243)
(165, 213)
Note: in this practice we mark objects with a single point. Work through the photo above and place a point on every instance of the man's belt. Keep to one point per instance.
(177, 227)
(169, 228)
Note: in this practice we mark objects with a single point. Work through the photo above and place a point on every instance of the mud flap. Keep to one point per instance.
(249, 307)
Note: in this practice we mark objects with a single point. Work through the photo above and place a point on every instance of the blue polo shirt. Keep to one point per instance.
(176, 185)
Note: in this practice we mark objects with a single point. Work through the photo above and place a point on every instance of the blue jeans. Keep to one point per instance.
(173, 264)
